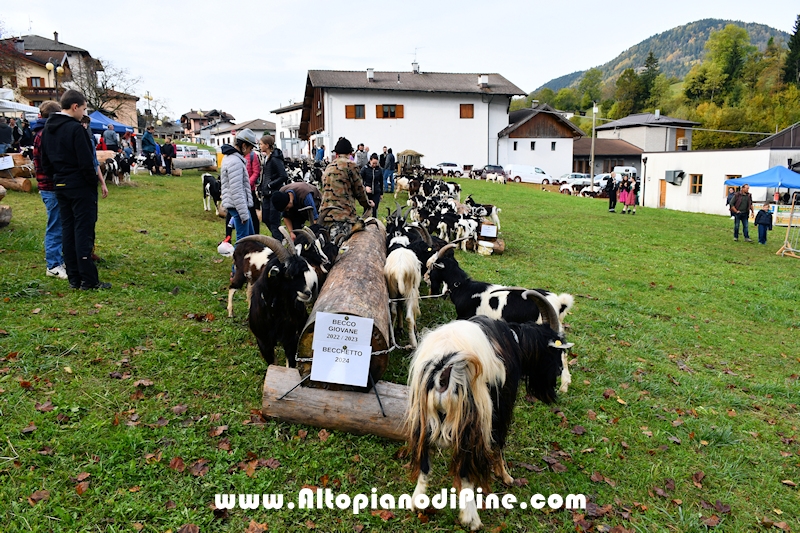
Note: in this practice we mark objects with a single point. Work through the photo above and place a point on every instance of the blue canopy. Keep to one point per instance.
(774, 177)
(100, 123)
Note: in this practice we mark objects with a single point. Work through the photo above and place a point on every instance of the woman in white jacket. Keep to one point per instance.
(236, 195)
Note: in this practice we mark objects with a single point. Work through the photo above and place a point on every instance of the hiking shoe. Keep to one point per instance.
(100, 285)
(57, 272)
(748, 240)
(736, 239)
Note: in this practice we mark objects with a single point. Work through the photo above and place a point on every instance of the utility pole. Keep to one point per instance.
(591, 159)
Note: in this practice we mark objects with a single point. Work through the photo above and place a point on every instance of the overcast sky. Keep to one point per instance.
(250, 60)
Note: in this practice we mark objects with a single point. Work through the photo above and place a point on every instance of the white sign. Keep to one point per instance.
(488, 230)
(342, 349)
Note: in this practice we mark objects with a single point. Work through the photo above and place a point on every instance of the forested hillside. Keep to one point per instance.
(677, 50)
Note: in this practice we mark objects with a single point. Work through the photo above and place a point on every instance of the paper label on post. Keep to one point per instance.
(488, 230)
(342, 349)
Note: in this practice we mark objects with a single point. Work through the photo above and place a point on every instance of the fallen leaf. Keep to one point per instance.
(789, 483)
(660, 492)
(722, 508)
(30, 428)
(591, 415)
(676, 423)
(697, 477)
(255, 527)
(385, 515)
(310, 524)
(302, 433)
(323, 435)
(143, 383)
(38, 496)
(521, 482)
(67, 369)
(608, 393)
(188, 528)
(224, 444)
(676, 440)
(711, 521)
(170, 505)
(177, 464)
(620, 400)
(138, 526)
(587, 450)
(37, 311)
(783, 526)
(558, 467)
(217, 431)
(45, 407)
(669, 484)
(179, 409)
(596, 476)
(135, 488)
(199, 468)
(579, 430)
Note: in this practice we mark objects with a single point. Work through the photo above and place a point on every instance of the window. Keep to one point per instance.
(533, 146)
(389, 111)
(36, 82)
(515, 146)
(468, 111)
(354, 111)
(553, 146)
(697, 184)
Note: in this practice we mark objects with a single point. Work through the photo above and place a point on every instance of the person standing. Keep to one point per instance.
(111, 138)
(372, 176)
(168, 153)
(27, 135)
(67, 157)
(341, 188)
(6, 136)
(388, 172)
(624, 191)
(361, 157)
(741, 209)
(273, 177)
(253, 173)
(16, 134)
(236, 196)
(611, 190)
(763, 223)
(320, 153)
(149, 148)
(52, 232)
(382, 158)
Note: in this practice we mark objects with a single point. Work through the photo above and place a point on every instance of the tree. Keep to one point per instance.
(102, 90)
(791, 71)
(589, 87)
(727, 50)
(648, 77)
(9, 55)
(630, 95)
(566, 99)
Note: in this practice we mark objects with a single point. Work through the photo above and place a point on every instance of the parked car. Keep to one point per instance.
(495, 169)
(450, 169)
(574, 185)
(202, 152)
(184, 150)
(571, 176)
(528, 174)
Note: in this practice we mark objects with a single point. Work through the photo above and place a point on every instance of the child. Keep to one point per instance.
(764, 222)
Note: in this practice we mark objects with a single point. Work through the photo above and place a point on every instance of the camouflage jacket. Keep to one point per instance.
(341, 188)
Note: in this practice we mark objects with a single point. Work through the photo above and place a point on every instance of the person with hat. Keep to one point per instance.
(341, 188)
(273, 177)
(299, 202)
(236, 195)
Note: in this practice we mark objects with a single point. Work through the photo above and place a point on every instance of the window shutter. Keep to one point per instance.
(398, 111)
(467, 111)
(378, 111)
(30, 82)
(349, 111)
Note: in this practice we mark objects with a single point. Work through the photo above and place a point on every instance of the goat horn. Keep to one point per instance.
(435, 257)
(545, 308)
(307, 232)
(288, 237)
(273, 244)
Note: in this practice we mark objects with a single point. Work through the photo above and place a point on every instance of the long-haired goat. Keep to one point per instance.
(463, 384)
(472, 298)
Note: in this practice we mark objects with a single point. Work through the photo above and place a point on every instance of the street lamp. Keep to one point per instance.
(58, 70)
(591, 163)
(644, 178)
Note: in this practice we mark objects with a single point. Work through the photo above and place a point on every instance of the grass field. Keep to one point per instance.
(129, 409)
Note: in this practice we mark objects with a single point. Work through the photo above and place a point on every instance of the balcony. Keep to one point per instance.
(41, 93)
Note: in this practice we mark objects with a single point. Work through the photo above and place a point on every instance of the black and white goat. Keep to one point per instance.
(484, 210)
(463, 383)
(116, 169)
(473, 298)
(212, 192)
(278, 301)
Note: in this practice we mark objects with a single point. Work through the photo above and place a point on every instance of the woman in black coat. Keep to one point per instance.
(273, 177)
(372, 176)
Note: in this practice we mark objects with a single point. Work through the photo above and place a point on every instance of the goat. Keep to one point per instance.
(463, 382)
(484, 210)
(278, 302)
(401, 185)
(116, 168)
(511, 304)
(212, 192)
(403, 272)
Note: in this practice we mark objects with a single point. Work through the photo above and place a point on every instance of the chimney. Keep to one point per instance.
(19, 44)
(370, 74)
(415, 67)
(55, 36)
(534, 104)
(483, 80)
(658, 114)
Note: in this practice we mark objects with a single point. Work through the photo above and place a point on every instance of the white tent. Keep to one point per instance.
(7, 106)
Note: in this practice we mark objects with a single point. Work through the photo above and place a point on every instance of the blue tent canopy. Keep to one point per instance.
(774, 177)
(100, 123)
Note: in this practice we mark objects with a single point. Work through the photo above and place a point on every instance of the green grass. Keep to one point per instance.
(695, 335)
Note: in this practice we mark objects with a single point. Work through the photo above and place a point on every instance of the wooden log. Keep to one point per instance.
(5, 215)
(192, 162)
(348, 411)
(2, 193)
(355, 286)
(14, 183)
(499, 247)
(23, 167)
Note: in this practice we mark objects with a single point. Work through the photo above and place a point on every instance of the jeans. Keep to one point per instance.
(52, 232)
(243, 229)
(762, 234)
(741, 217)
(388, 181)
(78, 209)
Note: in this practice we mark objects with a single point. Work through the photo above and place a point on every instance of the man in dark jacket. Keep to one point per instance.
(67, 157)
(299, 203)
(168, 153)
(6, 136)
(741, 209)
(611, 189)
(372, 176)
(273, 177)
(149, 149)
(388, 172)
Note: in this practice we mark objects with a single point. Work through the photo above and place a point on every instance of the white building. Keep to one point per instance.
(702, 186)
(225, 133)
(540, 137)
(287, 127)
(652, 132)
(446, 117)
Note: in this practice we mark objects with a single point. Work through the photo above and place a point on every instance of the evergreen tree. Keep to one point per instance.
(791, 72)
(648, 77)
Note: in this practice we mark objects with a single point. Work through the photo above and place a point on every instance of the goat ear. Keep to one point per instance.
(439, 265)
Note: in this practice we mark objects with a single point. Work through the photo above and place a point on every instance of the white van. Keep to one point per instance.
(528, 174)
(626, 171)
(183, 150)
